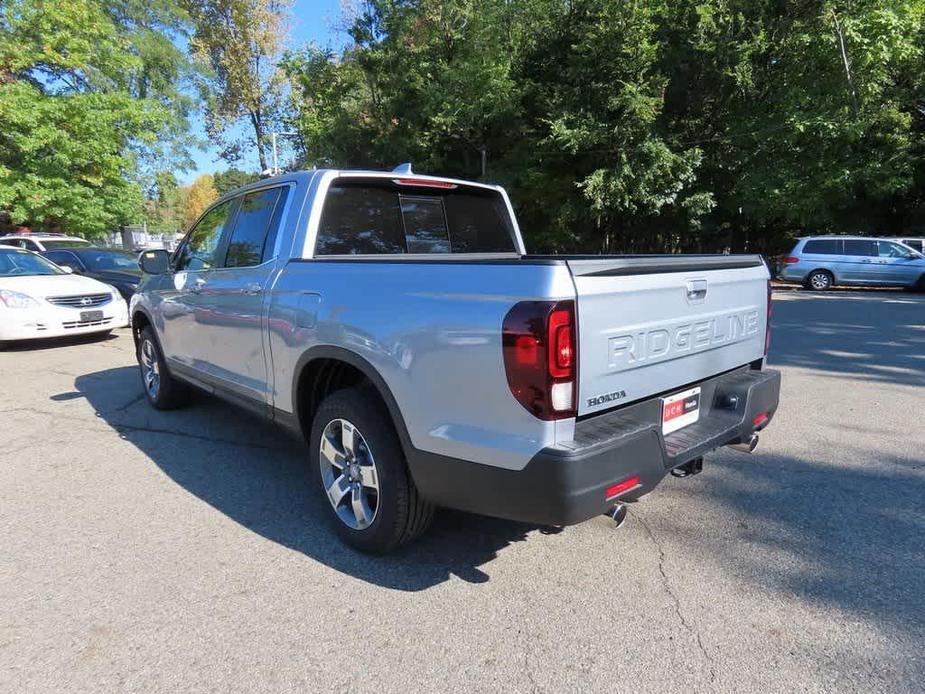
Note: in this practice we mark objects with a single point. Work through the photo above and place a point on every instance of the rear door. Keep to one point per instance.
(656, 325)
(857, 265)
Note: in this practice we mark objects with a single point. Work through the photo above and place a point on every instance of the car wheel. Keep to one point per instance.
(820, 280)
(163, 391)
(361, 475)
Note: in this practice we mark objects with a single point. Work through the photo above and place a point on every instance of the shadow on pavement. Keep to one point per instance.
(257, 475)
(878, 336)
(846, 535)
(57, 342)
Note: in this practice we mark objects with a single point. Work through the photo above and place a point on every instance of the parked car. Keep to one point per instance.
(397, 323)
(110, 265)
(38, 299)
(916, 244)
(821, 262)
(42, 242)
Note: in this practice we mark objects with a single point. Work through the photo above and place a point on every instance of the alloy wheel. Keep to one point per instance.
(150, 370)
(349, 474)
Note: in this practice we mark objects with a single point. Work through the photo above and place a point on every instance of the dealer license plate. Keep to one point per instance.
(88, 316)
(680, 410)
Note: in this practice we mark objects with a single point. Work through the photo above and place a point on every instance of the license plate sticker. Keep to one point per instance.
(680, 410)
(88, 316)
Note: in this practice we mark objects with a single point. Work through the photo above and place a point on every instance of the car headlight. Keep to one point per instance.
(12, 299)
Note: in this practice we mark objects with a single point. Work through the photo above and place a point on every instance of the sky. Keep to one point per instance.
(311, 20)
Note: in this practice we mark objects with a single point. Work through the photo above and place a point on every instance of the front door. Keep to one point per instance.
(897, 265)
(226, 339)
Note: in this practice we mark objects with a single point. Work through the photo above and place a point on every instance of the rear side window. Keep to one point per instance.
(823, 247)
(861, 247)
(252, 228)
(385, 217)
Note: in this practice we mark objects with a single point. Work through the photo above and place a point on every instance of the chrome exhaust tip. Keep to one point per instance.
(746, 446)
(618, 515)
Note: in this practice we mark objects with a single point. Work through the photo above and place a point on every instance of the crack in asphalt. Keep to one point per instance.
(674, 598)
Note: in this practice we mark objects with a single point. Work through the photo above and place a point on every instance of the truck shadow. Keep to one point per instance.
(258, 475)
(843, 534)
(878, 336)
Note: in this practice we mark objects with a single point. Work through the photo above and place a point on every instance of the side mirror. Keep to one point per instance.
(154, 262)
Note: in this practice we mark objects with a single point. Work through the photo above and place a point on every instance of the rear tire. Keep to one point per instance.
(163, 391)
(362, 479)
(819, 281)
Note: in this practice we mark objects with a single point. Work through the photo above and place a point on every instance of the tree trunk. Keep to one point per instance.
(257, 123)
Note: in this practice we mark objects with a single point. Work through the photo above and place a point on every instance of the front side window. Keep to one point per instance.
(385, 216)
(888, 249)
(199, 249)
(860, 247)
(251, 234)
(915, 244)
(64, 258)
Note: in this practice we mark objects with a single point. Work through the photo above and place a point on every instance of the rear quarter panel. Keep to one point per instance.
(433, 332)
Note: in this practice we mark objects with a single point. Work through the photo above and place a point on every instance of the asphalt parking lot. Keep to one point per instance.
(149, 551)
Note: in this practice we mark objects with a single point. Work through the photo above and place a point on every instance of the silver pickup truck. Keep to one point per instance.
(396, 322)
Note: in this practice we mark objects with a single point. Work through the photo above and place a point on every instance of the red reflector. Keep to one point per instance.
(760, 419)
(621, 487)
(526, 350)
(791, 259)
(423, 183)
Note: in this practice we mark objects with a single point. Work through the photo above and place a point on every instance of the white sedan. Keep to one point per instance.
(38, 299)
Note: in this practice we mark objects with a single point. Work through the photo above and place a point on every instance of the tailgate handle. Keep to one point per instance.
(696, 291)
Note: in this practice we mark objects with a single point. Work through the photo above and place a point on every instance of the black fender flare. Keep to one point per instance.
(364, 367)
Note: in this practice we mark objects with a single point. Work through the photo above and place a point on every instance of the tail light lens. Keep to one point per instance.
(767, 328)
(791, 259)
(540, 357)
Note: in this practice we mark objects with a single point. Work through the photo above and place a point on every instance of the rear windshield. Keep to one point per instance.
(363, 216)
(63, 243)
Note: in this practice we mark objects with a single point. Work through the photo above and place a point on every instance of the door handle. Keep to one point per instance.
(252, 288)
(198, 284)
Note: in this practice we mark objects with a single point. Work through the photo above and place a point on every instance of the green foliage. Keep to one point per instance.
(226, 181)
(87, 97)
(638, 126)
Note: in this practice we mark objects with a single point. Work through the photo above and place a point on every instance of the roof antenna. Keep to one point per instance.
(403, 168)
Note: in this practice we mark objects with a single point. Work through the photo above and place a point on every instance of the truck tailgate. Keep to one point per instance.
(651, 325)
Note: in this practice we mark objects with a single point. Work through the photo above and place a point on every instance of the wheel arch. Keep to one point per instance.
(325, 369)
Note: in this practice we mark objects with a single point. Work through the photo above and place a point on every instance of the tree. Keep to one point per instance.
(226, 181)
(200, 194)
(238, 42)
(81, 111)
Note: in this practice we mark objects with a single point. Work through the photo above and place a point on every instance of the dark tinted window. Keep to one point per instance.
(425, 225)
(64, 258)
(362, 216)
(251, 228)
(823, 247)
(860, 247)
(199, 248)
(358, 220)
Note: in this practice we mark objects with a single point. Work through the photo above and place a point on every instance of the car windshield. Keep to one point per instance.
(63, 243)
(18, 262)
(109, 260)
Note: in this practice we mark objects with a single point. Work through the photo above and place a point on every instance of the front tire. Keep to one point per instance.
(819, 280)
(360, 473)
(163, 391)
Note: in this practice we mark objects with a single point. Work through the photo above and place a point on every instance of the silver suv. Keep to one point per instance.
(820, 262)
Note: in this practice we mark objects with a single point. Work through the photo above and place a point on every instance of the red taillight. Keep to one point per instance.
(538, 344)
(423, 183)
(791, 259)
(767, 327)
(622, 487)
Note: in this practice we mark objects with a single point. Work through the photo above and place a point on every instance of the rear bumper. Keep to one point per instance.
(567, 483)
